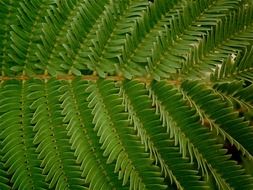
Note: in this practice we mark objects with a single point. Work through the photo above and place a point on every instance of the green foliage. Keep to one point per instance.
(126, 94)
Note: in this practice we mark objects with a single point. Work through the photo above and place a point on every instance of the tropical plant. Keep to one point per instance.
(126, 94)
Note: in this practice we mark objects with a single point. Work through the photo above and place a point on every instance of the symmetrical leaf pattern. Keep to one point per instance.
(126, 94)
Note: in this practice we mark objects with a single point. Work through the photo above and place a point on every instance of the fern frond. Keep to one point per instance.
(146, 26)
(97, 50)
(223, 115)
(8, 17)
(4, 177)
(118, 139)
(159, 36)
(241, 97)
(156, 139)
(237, 68)
(100, 34)
(174, 131)
(188, 122)
(81, 45)
(246, 94)
(203, 34)
(58, 161)
(19, 155)
(233, 47)
(56, 27)
(26, 35)
(126, 94)
(84, 140)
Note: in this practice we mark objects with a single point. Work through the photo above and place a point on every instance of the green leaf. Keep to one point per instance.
(126, 94)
